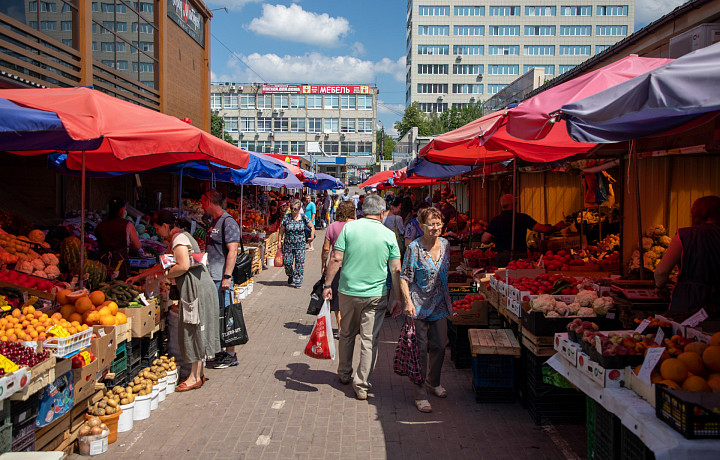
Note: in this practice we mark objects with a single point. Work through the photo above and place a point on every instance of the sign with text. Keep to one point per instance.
(188, 18)
(315, 89)
(652, 357)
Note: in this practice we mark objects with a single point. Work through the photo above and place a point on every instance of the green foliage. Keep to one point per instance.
(388, 146)
(457, 117)
(217, 126)
(433, 123)
(412, 117)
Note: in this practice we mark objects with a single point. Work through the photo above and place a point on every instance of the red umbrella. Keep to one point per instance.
(377, 178)
(134, 138)
(414, 181)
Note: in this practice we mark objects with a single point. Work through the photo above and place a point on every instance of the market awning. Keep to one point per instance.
(324, 182)
(377, 178)
(660, 100)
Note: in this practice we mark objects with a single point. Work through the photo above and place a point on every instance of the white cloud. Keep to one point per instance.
(395, 68)
(647, 11)
(390, 109)
(357, 49)
(309, 68)
(231, 4)
(294, 24)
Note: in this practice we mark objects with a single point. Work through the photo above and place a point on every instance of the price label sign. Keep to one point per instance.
(598, 344)
(660, 336)
(642, 326)
(696, 319)
(193, 226)
(143, 300)
(610, 315)
(652, 357)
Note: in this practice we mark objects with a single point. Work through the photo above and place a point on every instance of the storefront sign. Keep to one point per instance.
(315, 89)
(188, 18)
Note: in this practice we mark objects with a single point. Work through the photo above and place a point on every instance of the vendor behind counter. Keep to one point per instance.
(115, 235)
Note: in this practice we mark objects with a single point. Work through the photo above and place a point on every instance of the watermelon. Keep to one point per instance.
(97, 273)
(70, 255)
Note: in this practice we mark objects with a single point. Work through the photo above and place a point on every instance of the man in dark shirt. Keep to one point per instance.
(500, 229)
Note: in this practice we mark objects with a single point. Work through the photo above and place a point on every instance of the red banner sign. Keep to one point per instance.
(316, 89)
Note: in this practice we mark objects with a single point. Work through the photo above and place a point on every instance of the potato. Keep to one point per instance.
(155, 362)
(94, 431)
(172, 359)
(131, 399)
(116, 398)
(108, 394)
(136, 380)
(100, 412)
(124, 402)
(112, 403)
(110, 411)
(84, 430)
(117, 389)
(128, 389)
(138, 388)
(102, 405)
(173, 366)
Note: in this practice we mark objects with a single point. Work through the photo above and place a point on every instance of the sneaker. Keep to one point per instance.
(289, 279)
(227, 361)
(217, 361)
(345, 380)
(361, 395)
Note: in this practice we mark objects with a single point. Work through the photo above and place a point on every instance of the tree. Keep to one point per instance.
(217, 126)
(386, 148)
(457, 117)
(412, 117)
(435, 123)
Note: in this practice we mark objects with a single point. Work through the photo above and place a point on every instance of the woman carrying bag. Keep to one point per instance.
(424, 286)
(292, 241)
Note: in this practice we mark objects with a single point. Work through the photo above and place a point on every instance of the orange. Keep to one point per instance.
(104, 311)
(84, 304)
(75, 318)
(655, 377)
(97, 297)
(670, 383)
(107, 320)
(84, 327)
(693, 361)
(39, 314)
(30, 310)
(715, 339)
(714, 385)
(42, 337)
(67, 310)
(121, 318)
(113, 307)
(72, 330)
(56, 316)
(92, 318)
(697, 347)
(695, 383)
(11, 337)
(16, 313)
(674, 369)
(21, 335)
(711, 357)
(62, 296)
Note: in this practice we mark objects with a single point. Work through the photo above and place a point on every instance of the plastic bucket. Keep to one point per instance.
(155, 397)
(172, 378)
(142, 407)
(250, 288)
(93, 444)
(125, 422)
(162, 383)
(112, 423)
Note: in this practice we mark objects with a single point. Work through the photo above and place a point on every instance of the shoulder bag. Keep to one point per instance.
(243, 264)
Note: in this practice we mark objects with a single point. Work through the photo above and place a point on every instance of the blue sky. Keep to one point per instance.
(328, 41)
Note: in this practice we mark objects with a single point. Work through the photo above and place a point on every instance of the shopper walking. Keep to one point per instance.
(364, 249)
(221, 245)
(346, 213)
(310, 213)
(292, 242)
(424, 286)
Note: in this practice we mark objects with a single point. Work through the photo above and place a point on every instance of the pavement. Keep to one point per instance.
(280, 404)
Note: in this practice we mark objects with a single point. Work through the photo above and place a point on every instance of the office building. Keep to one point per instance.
(463, 52)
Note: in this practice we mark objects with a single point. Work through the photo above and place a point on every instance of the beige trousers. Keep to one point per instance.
(360, 316)
(431, 342)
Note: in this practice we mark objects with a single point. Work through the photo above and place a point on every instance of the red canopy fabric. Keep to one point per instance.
(296, 170)
(377, 178)
(531, 119)
(134, 138)
(415, 181)
(465, 135)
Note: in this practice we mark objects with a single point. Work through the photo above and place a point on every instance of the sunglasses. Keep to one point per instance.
(295, 209)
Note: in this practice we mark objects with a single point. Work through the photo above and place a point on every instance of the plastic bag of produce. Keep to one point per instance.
(321, 346)
(406, 360)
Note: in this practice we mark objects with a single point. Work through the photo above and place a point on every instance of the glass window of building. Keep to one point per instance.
(48, 25)
(120, 47)
(331, 147)
(107, 47)
(66, 26)
(247, 101)
(122, 65)
(469, 11)
(347, 125)
(297, 147)
(539, 50)
(564, 68)
(503, 50)
(365, 102)
(347, 102)
(314, 125)
(94, 46)
(108, 63)
(247, 124)
(540, 11)
(467, 69)
(600, 48)
(549, 69)
(612, 10)
(503, 69)
(331, 125)
(144, 7)
(469, 50)
(433, 30)
(433, 107)
(248, 145)
(434, 50)
(230, 101)
(433, 11)
(230, 124)
(264, 146)
(281, 101)
(467, 88)
(215, 101)
(346, 148)
(544, 31)
(432, 88)
(612, 31)
(264, 101)
(432, 69)
(332, 101)
(504, 30)
(576, 10)
(577, 31)
(314, 101)
(281, 124)
(282, 147)
(472, 31)
(297, 101)
(364, 125)
(264, 124)
(364, 147)
(495, 88)
(297, 125)
(574, 50)
(504, 11)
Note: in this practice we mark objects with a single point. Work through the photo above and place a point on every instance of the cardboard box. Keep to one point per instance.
(143, 319)
(123, 332)
(566, 348)
(40, 375)
(645, 391)
(606, 378)
(519, 273)
(103, 345)
(85, 380)
(514, 307)
(476, 316)
(11, 383)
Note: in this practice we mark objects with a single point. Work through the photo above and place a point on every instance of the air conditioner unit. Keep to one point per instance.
(458, 58)
(233, 87)
(441, 97)
(275, 112)
(240, 88)
(271, 134)
(694, 39)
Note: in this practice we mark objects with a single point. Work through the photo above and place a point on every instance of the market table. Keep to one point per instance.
(639, 417)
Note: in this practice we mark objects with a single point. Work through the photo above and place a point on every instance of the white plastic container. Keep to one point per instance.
(162, 383)
(172, 378)
(240, 293)
(125, 422)
(141, 411)
(250, 288)
(93, 444)
(155, 397)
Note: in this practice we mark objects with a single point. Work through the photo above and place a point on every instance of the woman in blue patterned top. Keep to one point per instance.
(292, 242)
(424, 285)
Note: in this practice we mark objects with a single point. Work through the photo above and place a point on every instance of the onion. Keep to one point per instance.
(94, 421)
(84, 430)
(96, 430)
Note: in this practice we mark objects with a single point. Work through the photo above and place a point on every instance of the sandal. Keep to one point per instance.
(185, 387)
(438, 391)
(423, 405)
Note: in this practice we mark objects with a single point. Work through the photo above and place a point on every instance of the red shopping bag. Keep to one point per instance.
(321, 346)
(278, 261)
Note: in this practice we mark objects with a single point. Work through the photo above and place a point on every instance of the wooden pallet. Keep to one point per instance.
(493, 342)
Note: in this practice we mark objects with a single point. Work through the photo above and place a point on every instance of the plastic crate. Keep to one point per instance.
(134, 353)
(23, 436)
(689, 419)
(590, 426)
(119, 379)
(493, 371)
(65, 346)
(5, 414)
(119, 365)
(133, 371)
(459, 345)
(632, 448)
(494, 395)
(148, 346)
(6, 438)
(607, 434)
(22, 411)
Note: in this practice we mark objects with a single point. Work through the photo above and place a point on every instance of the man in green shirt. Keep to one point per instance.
(364, 248)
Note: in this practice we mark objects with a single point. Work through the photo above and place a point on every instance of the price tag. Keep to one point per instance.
(660, 336)
(8, 365)
(26, 297)
(73, 283)
(137, 220)
(642, 326)
(143, 300)
(610, 315)
(695, 319)
(651, 359)
(598, 344)
(193, 226)
(567, 313)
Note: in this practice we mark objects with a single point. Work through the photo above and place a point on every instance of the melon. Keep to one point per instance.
(70, 255)
(97, 273)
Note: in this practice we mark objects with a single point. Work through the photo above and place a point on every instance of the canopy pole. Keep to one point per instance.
(514, 194)
(242, 217)
(82, 223)
(180, 184)
(639, 211)
(470, 203)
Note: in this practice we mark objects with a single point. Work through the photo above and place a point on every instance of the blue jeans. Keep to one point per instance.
(225, 297)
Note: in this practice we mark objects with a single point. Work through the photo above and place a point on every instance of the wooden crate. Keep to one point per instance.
(538, 345)
(493, 342)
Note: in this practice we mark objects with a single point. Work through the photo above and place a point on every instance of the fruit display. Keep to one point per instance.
(70, 254)
(15, 249)
(586, 304)
(22, 355)
(89, 308)
(31, 324)
(456, 277)
(125, 295)
(466, 302)
(474, 254)
(694, 367)
(521, 264)
(28, 281)
(545, 283)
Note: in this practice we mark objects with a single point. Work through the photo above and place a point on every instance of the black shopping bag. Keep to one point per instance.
(232, 326)
(316, 298)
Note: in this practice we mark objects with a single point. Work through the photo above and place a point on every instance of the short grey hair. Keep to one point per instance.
(374, 205)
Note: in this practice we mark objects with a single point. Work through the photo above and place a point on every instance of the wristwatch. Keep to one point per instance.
(327, 287)
(227, 277)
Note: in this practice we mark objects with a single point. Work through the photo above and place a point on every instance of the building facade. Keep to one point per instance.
(154, 53)
(333, 126)
(462, 52)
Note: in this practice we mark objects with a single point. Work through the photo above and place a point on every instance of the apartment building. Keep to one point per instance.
(462, 52)
(333, 126)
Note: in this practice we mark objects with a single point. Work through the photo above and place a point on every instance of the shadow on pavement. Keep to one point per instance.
(275, 283)
(301, 329)
(299, 377)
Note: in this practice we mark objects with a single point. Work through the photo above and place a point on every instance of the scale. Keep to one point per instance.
(636, 291)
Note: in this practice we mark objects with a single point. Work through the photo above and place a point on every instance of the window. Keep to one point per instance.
(66, 26)
(503, 69)
(144, 7)
(247, 101)
(110, 63)
(469, 30)
(69, 42)
(614, 31)
(48, 25)
(364, 102)
(264, 124)
(330, 125)
(314, 101)
(107, 7)
(247, 124)
(549, 69)
(430, 107)
(503, 50)
(364, 125)
(230, 101)
(248, 145)
(585, 10)
(144, 28)
(332, 102)
(347, 125)
(545, 31)
(297, 125)
(494, 89)
(107, 47)
(504, 30)
(297, 147)
(467, 69)
(94, 46)
(66, 8)
(281, 147)
(440, 50)
(347, 102)
(433, 30)
(433, 11)
(231, 124)
(574, 50)
(109, 25)
(263, 146)
(504, 11)
(331, 147)
(95, 7)
(565, 68)
(314, 125)
(281, 124)
(600, 48)
(583, 31)
(346, 148)
(297, 101)
(364, 147)
(121, 26)
(148, 83)
(539, 50)
(143, 67)
(120, 47)
(467, 89)
(281, 101)
(432, 69)
(540, 11)
(264, 101)
(469, 50)
(614, 10)
(469, 11)
(432, 88)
